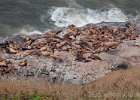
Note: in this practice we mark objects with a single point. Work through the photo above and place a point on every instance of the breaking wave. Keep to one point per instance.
(63, 16)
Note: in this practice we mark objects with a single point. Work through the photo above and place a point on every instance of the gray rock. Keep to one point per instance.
(69, 71)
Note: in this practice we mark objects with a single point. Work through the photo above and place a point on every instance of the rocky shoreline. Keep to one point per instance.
(67, 56)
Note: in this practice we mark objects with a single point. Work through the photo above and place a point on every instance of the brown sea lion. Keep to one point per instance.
(1, 59)
(27, 48)
(13, 41)
(94, 57)
(114, 29)
(24, 38)
(73, 54)
(47, 54)
(56, 57)
(12, 51)
(111, 44)
(3, 44)
(26, 53)
(91, 26)
(49, 34)
(8, 70)
(102, 49)
(129, 25)
(86, 45)
(33, 38)
(72, 27)
(80, 55)
(8, 62)
(19, 54)
(36, 52)
(3, 50)
(3, 64)
(43, 48)
(72, 32)
(52, 33)
(64, 48)
(84, 33)
(23, 63)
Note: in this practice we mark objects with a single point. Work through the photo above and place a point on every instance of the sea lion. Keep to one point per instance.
(91, 26)
(29, 42)
(63, 48)
(51, 33)
(24, 38)
(19, 54)
(23, 63)
(102, 49)
(3, 64)
(36, 52)
(1, 59)
(49, 54)
(19, 46)
(8, 62)
(138, 45)
(104, 38)
(43, 48)
(3, 50)
(114, 30)
(27, 48)
(111, 44)
(56, 57)
(122, 36)
(26, 53)
(33, 38)
(62, 43)
(52, 45)
(86, 45)
(129, 25)
(92, 31)
(72, 32)
(13, 41)
(8, 70)
(73, 53)
(4, 43)
(84, 33)
(94, 57)
(72, 27)
(133, 37)
(80, 55)
(12, 51)
(77, 42)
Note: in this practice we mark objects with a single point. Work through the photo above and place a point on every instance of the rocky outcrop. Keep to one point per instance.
(32, 56)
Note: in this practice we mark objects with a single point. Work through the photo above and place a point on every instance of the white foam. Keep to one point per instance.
(63, 16)
(29, 30)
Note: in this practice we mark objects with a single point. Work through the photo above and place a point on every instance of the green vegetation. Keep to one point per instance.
(83, 96)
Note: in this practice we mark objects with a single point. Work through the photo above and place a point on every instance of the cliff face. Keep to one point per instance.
(71, 54)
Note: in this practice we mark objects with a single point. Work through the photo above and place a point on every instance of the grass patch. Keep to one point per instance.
(119, 85)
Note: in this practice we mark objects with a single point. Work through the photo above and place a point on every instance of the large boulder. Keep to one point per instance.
(27, 56)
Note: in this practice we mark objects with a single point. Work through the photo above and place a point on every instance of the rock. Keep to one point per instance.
(70, 71)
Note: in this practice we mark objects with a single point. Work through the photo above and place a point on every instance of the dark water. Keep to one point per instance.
(38, 16)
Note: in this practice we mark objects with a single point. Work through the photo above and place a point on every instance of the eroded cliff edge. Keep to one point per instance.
(72, 54)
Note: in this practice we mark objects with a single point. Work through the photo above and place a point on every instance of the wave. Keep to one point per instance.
(63, 16)
(28, 30)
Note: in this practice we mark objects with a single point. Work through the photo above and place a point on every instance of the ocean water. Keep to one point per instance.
(38, 16)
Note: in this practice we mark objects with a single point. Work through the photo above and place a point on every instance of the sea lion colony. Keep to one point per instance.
(84, 43)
